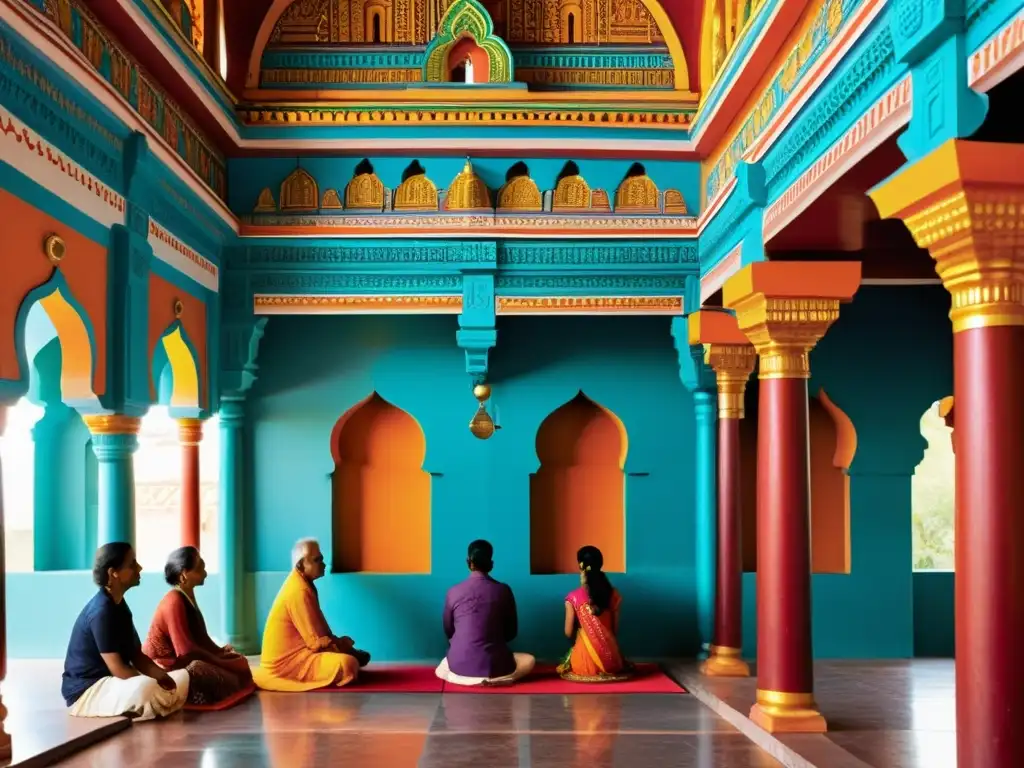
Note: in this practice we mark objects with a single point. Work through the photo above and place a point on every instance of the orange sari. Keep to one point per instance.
(595, 656)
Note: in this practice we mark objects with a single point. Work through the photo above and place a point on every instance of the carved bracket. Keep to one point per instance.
(741, 212)
(239, 348)
(477, 334)
(696, 375)
(130, 261)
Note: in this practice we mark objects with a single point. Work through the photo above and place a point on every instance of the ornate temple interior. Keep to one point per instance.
(511, 383)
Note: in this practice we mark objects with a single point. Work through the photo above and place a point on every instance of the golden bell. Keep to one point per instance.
(482, 391)
(481, 425)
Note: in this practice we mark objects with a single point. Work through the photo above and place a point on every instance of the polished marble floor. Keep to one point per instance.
(897, 713)
(438, 731)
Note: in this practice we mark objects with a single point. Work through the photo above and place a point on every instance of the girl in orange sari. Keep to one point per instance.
(592, 620)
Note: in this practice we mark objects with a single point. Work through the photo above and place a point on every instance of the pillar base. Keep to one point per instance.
(779, 712)
(724, 662)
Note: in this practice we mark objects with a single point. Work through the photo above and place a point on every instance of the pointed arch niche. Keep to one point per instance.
(380, 494)
(578, 494)
(833, 446)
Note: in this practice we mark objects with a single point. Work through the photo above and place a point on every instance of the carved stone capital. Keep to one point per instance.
(784, 308)
(190, 431)
(732, 364)
(112, 424)
(965, 203)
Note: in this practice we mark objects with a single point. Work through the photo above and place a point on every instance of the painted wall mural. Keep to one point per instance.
(553, 43)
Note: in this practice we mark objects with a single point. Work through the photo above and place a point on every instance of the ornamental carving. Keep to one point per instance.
(520, 193)
(331, 201)
(416, 22)
(299, 192)
(637, 193)
(416, 193)
(467, 192)
(365, 192)
(265, 203)
(571, 193)
(673, 203)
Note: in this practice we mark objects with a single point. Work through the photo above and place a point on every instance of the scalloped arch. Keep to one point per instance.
(654, 7)
(467, 17)
(175, 350)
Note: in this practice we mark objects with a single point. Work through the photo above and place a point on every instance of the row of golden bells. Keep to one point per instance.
(482, 425)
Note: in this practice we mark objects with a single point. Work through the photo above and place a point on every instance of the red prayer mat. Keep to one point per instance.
(388, 679)
(227, 703)
(648, 678)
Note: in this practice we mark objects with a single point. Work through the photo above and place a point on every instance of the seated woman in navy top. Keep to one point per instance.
(105, 671)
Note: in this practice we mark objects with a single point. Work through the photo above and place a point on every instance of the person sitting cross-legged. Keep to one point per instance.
(299, 651)
(106, 674)
(480, 621)
(178, 639)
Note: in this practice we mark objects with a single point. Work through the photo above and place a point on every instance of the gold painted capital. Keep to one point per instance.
(112, 424)
(784, 331)
(190, 431)
(732, 364)
(964, 203)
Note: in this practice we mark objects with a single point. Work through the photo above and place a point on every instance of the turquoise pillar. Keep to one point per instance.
(700, 380)
(705, 406)
(114, 441)
(232, 523)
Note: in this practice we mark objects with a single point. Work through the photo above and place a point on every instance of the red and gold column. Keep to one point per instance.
(784, 308)
(5, 738)
(731, 356)
(965, 203)
(190, 434)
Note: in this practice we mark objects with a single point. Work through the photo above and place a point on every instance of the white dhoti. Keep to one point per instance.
(524, 666)
(138, 697)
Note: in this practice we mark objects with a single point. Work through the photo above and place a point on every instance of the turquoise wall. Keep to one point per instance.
(314, 369)
(887, 358)
(247, 176)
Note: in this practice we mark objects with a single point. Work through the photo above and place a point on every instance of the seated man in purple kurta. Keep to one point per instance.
(480, 621)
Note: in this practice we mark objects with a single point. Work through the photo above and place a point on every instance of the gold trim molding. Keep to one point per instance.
(590, 305)
(190, 431)
(312, 304)
(602, 118)
(732, 364)
(112, 424)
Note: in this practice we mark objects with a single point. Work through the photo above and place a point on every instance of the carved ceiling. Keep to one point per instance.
(243, 19)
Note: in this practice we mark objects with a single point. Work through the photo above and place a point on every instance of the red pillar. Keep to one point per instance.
(962, 202)
(211, 33)
(190, 433)
(732, 358)
(988, 370)
(5, 738)
(784, 308)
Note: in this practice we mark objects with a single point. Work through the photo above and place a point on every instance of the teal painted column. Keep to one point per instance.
(232, 524)
(705, 406)
(700, 380)
(114, 441)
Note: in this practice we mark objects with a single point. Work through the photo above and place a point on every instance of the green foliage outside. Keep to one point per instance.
(932, 497)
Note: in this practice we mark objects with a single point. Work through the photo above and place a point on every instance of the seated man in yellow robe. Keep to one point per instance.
(299, 651)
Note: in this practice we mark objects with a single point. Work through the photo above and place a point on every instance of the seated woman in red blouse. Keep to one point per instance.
(178, 638)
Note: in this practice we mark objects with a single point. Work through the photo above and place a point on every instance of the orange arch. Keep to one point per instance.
(75, 348)
(577, 495)
(380, 493)
(654, 7)
(467, 46)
